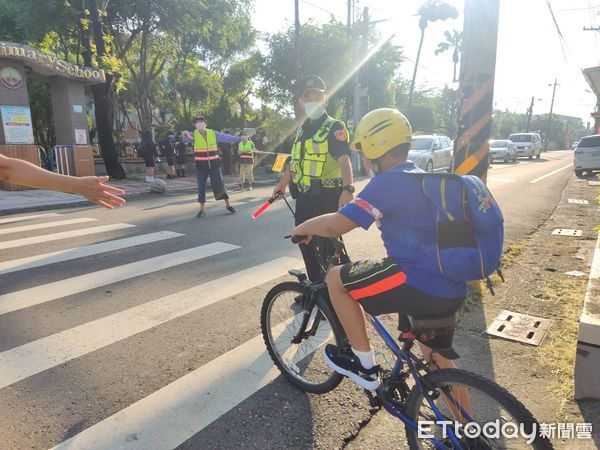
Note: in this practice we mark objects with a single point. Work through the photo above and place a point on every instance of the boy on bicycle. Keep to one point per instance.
(405, 281)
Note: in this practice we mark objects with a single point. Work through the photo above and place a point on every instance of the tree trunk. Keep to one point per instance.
(243, 111)
(103, 106)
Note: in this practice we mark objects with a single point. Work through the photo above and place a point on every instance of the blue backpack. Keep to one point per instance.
(469, 226)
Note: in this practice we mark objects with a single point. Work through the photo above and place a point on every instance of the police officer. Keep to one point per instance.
(320, 172)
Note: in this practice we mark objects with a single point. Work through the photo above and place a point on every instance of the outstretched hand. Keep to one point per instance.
(96, 191)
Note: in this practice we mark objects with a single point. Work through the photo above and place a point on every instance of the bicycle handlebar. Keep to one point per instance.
(297, 239)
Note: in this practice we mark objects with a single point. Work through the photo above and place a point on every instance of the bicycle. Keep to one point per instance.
(298, 319)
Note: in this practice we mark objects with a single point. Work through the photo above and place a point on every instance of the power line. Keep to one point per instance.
(324, 10)
(563, 42)
(580, 9)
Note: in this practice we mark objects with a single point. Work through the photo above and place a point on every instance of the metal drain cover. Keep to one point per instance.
(519, 327)
(567, 232)
(578, 201)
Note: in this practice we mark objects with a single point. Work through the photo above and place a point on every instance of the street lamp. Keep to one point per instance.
(430, 11)
(550, 117)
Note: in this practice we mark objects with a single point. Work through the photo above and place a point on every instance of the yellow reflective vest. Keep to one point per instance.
(205, 149)
(245, 151)
(314, 162)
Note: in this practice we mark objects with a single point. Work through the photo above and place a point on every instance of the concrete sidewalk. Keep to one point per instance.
(12, 202)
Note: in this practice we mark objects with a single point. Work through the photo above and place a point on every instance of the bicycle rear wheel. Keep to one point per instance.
(487, 403)
(285, 316)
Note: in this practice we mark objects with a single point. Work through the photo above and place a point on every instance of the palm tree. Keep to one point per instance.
(430, 11)
(453, 41)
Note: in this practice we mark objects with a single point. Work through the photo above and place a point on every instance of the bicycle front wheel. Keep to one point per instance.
(485, 415)
(295, 334)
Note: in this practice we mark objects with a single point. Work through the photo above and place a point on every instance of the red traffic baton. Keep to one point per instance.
(263, 207)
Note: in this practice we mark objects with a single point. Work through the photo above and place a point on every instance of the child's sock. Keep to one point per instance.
(367, 359)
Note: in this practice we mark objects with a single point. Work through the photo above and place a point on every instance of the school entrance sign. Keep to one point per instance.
(67, 83)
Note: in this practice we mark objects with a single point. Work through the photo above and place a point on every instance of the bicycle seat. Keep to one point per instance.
(429, 322)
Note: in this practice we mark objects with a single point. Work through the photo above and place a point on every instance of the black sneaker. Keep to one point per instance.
(231, 209)
(200, 214)
(348, 364)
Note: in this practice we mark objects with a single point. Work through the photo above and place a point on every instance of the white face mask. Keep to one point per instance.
(201, 126)
(314, 110)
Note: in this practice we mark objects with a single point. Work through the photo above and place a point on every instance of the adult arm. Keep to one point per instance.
(17, 171)
(224, 138)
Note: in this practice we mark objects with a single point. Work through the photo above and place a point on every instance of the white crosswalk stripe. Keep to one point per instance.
(173, 413)
(34, 357)
(45, 238)
(82, 252)
(25, 298)
(41, 226)
(25, 218)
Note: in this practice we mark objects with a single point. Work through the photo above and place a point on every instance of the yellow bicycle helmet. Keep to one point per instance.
(380, 131)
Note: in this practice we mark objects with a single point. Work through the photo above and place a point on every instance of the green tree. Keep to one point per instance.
(239, 84)
(453, 42)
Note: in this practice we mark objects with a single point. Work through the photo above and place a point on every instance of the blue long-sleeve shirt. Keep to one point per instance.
(222, 138)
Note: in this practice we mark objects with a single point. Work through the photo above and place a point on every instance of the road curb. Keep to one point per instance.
(587, 361)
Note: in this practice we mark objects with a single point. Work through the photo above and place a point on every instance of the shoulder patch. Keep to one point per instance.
(340, 135)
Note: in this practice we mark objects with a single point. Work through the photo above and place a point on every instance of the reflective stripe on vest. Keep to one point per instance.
(245, 149)
(205, 150)
(316, 162)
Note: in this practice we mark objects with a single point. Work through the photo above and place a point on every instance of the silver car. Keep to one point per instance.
(432, 153)
(503, 149)
(528, 144)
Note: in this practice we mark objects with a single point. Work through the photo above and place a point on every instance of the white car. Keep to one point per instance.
(503, 149)
(587, 155)
(432, 153)
(528, 144)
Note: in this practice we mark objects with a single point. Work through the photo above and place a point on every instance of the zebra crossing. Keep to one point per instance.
(176, 411)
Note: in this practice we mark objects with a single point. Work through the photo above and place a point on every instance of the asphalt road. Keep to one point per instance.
(139, 327)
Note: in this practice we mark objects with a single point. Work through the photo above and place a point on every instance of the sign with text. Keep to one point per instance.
(280, 162)
(16, 123)
(81, 136)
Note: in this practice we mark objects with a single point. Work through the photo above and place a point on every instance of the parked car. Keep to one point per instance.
(528, 144)
(587, 155)
(574, 145)
(503, 149)
(432, 153)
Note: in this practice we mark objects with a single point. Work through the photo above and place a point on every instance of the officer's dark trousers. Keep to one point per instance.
(203, 171)
(307, 207)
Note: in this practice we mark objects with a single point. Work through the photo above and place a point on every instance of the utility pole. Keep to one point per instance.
(550, 117)
(529, 113)
(298, 68)
(476, 89)
(359, 79)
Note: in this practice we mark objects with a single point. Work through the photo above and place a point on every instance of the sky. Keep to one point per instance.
(530, 55)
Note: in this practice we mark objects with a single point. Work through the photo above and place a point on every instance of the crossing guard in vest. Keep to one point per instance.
(319, 172)
(208, 162)
(246, 155)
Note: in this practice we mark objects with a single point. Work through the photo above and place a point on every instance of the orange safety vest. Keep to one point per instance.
(205, 149)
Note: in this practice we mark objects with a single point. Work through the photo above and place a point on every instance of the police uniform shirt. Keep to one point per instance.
(337, 140)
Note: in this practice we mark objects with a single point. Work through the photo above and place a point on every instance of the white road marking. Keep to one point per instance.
(508, 166)
(26, 360)
(551, 173)
(502, 180)
(63, 235)
(170, 416)
(41, 226)
(37, 295)
(24, 218)
(84, 251)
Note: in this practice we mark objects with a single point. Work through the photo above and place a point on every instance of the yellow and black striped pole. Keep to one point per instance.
(476, 90)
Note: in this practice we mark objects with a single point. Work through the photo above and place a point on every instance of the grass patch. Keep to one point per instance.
(513, 252)
(558, 353)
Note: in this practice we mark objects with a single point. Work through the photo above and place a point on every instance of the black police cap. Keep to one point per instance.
(311, 82)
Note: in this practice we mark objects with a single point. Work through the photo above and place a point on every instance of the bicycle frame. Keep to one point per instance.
(413, 363)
